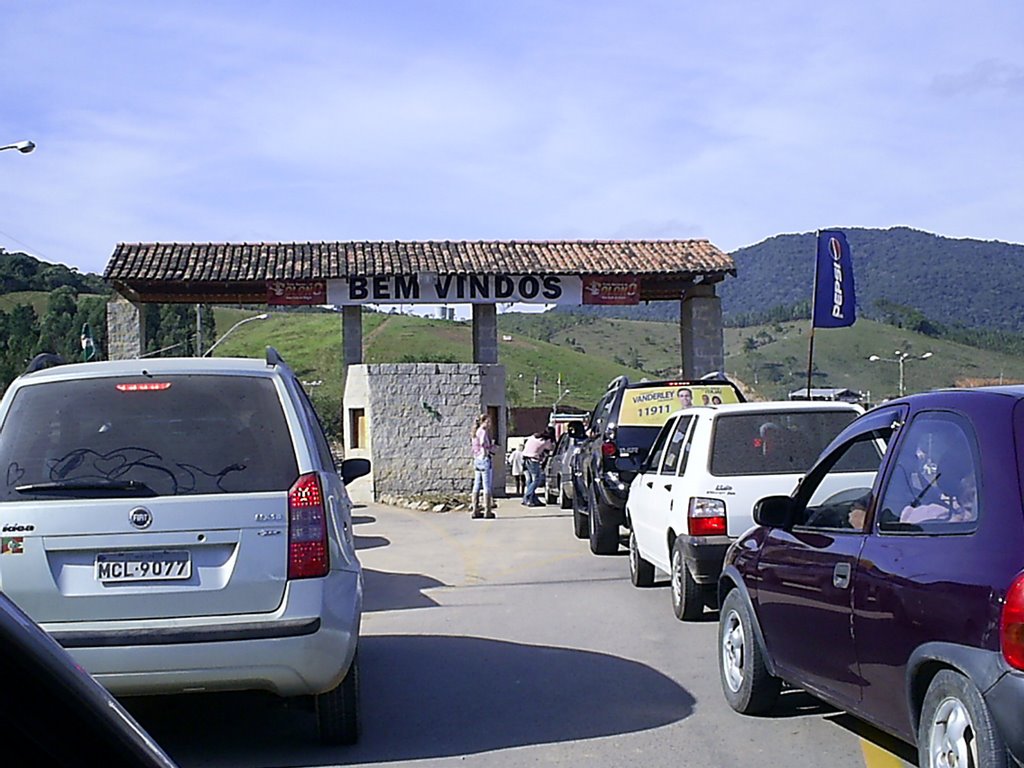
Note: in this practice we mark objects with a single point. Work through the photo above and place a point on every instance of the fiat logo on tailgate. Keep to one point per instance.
(140, 517)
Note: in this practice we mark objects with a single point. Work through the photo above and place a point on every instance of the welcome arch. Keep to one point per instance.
(417, 448)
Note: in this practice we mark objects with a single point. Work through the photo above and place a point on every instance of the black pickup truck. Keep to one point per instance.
(622, 428)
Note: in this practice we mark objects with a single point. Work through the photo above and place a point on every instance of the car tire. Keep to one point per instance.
(687, 596)
(337, 710)
(564, 500)
(548, 496)
(580, 518)
(747, 684)
(955, 720)
(604, 538)
(641, 572)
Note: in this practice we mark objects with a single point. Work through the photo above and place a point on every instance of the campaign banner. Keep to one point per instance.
(651, 406)
(619, 290)
(834, 300)
(455, 289)
(296, 292)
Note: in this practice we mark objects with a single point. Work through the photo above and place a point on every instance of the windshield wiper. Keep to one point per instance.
(131, 487)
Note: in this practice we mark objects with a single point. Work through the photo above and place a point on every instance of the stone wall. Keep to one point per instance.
(125, 331)
(420, 419)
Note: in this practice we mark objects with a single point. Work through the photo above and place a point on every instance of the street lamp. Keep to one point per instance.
(232, 329)
(22, 146)
(901, 359)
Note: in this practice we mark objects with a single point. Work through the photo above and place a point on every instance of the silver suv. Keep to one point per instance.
(179, 525)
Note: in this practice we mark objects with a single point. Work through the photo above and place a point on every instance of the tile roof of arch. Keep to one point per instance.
(297, 261)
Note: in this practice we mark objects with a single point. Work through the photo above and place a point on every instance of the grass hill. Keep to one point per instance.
(769, 360)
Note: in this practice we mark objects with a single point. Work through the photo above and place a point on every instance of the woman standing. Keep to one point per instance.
(483, 465)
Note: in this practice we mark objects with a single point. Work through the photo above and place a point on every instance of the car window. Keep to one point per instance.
(658, 448)
(841, 499)
(323, 448)
(770, 443)
(674, 449)
(177, 434)
(599, 420)
(933, 486)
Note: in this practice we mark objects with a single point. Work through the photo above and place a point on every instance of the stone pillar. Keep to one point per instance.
(126, 329)
(485, 334)
(352, 335)
(700, 328)
(414, 422)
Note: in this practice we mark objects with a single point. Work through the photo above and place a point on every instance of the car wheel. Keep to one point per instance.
(564, 500)
(748, 686)
(580, 518)
(641, 572)
(604, 538)
(956, 726)
(687, 596)
(337, 710)
(548, 496)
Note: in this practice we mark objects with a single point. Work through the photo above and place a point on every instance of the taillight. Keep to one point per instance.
(706, 517)
(609, 449)
(307, 529)
(1011, 624)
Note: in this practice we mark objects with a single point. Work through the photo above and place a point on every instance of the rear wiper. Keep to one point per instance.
(131, 487)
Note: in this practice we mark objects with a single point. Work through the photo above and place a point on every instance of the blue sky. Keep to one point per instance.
(496, 120)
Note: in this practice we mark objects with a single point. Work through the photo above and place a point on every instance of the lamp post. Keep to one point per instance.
(22, 146)
(901, 359)
(232, 329)
(560, 398)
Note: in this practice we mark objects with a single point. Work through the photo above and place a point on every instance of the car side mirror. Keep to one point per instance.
(351, 469)
(774, 511)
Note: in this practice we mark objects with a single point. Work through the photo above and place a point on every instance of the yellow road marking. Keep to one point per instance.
(876, 757)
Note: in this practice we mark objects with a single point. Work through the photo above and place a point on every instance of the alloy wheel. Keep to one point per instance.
(733, 649)
(952, 741)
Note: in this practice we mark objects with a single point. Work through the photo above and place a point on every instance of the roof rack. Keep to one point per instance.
(44, 360)
(274, 357)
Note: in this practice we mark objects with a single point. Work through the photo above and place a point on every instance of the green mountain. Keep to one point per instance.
(955, 282)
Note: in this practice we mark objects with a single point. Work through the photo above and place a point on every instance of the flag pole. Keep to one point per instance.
(814, 294)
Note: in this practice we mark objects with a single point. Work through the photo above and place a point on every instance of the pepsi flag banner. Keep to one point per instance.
(834, 300)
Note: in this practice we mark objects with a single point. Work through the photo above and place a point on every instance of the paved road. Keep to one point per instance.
(506, 643)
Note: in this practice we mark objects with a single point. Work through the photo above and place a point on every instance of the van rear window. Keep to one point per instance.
(180, 434)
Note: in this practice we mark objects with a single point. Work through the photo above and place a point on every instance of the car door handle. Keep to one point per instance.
(650, 483)
(841, 576)
(668, 486)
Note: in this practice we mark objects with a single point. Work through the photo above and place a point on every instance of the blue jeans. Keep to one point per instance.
(533, 478)
(483, 474)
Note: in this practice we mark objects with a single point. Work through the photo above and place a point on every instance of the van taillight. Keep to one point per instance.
(706, 517)
(307, 529)
(1011, 624)
(609, 449)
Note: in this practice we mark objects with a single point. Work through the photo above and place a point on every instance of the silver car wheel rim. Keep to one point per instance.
(633, 554)
(733, 646)
(951, 743)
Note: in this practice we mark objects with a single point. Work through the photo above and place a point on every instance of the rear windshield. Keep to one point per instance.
(181, 434)
(779, 443)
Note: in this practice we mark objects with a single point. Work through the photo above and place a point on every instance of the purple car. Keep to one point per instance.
(902, 602)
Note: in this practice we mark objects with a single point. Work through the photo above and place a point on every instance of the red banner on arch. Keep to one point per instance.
(611, 290)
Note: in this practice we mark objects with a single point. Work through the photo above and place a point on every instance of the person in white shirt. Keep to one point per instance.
(536, 450)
